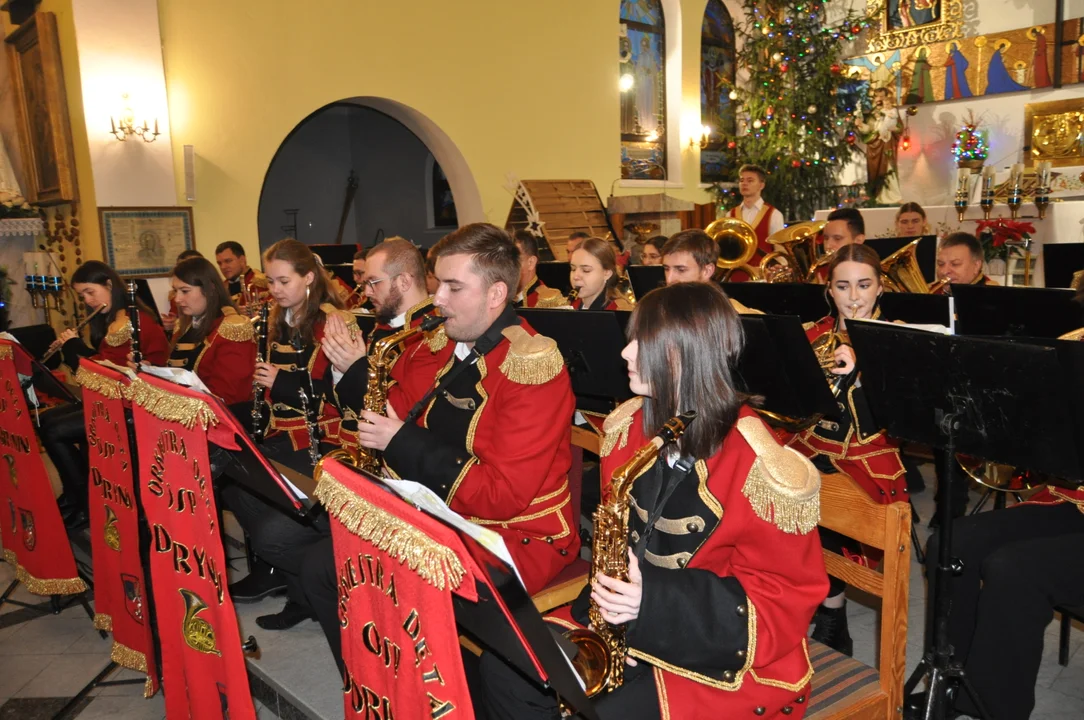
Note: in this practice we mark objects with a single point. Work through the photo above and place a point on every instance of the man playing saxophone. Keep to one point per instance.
(490, 431)
(717, 604)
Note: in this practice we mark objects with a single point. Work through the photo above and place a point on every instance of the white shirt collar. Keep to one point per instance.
(398, 321)
(756, 206)
(461, 351)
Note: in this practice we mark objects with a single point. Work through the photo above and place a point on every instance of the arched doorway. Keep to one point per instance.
(410, 178)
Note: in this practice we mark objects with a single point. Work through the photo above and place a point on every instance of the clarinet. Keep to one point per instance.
(310, 422)
(259, 402)
(133, 318)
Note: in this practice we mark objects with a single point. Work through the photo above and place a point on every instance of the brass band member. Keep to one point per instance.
(169, 319)
(357, 298)
(212, 339)
(911, 220)
(845, 226)
(244, 284)
(63, 433)
(717, 604)
(651, 250)
(532, 292)
(959, 260)
(594, 276)
(689, 256)
(855, 445)
(762, 217)
(303, 304)
(493, 442)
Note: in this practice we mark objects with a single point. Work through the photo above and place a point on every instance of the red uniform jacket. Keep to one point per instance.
(600, 303)
(760, 226)
(224, 360)
(494, 443)
(536, 294)
(732, 573)
(284, 396)
(117, 342)
(854, 445)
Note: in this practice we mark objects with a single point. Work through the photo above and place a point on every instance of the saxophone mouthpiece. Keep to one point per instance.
(432, 322)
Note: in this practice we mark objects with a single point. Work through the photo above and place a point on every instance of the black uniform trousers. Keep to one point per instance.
(64, 437)
(1018, 564)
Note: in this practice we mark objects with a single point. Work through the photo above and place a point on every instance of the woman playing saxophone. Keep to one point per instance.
(716, 605)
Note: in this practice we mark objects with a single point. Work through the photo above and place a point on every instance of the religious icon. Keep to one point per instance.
(881, 130)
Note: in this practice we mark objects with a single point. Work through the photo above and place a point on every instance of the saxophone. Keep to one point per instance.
(602, 650)
(382, 356)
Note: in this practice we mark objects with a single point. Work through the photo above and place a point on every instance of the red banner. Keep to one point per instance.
(397, 570)
(33, 535)
(119, 588)
(203, 669)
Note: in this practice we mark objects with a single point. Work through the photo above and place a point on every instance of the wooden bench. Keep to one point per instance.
(844, 688)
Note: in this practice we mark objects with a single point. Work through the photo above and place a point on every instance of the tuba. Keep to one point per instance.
(382, 356)
(902, 273)
(601, 657)
(799, 258)
(737, 243)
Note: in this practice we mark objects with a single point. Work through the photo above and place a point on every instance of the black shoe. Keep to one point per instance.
(291, 615)
(263, 581)
(831, 629)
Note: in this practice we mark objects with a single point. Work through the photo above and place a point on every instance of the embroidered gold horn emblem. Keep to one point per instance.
(198, 633)
(10, 460)
(112, 534)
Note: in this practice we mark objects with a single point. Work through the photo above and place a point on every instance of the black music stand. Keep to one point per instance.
(1015, 311)
(645, 278)
(926, 253)
(778, 364)
(555, 275)
(917, 308)
(971, 395)
(806, 300)
(1060, 262)
(591, 342)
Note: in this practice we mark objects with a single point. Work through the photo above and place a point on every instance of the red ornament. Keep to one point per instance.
(836, 69)
(795, 163)
(851, 138)
(856, 29)
(783, 67)
(731, 145)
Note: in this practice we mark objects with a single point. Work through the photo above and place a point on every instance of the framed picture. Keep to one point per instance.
(1054, 132)
(903, 24)
(41, 107)
(145, 241)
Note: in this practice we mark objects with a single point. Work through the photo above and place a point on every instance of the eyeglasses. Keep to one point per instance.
(371, 284)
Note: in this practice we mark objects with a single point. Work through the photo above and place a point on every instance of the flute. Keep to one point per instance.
(78, 329)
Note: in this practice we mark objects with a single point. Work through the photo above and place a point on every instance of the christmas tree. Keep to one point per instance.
(796, 108)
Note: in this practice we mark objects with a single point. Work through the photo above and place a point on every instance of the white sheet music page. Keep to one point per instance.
(178, 376)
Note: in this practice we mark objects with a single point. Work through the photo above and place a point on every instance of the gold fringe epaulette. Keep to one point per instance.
(783, 486)
(437, 340)
(170, 407)
(437, 564)
(120, 330)
(550, 298)
(259, 280)
(236, 327)
(615, 429)
(532, 359)
(348, 318)
(108, 387)
(806, 326)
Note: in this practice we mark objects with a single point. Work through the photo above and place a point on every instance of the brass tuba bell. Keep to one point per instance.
(737, 243)
(902, 273)
(799, 257)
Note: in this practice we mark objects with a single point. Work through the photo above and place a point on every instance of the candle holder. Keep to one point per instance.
(1016, 199)
(986, 199)
(961, 205)
(1042, 195)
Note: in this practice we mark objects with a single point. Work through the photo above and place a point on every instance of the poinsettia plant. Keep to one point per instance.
(993, 234)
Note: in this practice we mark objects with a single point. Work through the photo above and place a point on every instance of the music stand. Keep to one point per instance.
(972, 395)
(591, 342)
(1015, 311)
(336, 254)
(916, 308)
(778, 364)
(925, 253)
(806, 300)
(1060, 262)
(645, 278)
(554, 275)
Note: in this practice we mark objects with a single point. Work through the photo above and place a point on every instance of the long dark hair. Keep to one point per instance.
(303, 261)
(98, 273)
(690, 339)
(199, 272)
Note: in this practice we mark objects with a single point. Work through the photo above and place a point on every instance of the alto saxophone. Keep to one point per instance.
(602, 649)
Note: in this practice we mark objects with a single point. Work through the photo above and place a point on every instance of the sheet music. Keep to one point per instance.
(178, 376)
(425, 499)
(930, 327)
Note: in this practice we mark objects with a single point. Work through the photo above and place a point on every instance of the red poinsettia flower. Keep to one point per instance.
(1002, 230)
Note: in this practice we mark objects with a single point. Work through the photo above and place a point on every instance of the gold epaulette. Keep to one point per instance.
(436, 340)
(615, 429)
(783, 486)
(532, 359)
(235, 327)
(348, 317)
(259, 280)
(743, 309)
(550, 298)
(807, 326)
(119, 331)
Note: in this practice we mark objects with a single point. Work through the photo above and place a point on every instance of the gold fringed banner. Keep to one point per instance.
(103, 622)
(37, 586)
(172, 408)
(108, 387)
(433, 562)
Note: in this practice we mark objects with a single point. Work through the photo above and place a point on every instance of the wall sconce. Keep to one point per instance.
(705, 136)
(125, 125)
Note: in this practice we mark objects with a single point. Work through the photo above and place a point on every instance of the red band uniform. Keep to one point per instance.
(224, 359)
(537, 294)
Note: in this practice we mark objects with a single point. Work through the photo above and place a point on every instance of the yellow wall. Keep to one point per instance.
(519, 86)
(86, 210)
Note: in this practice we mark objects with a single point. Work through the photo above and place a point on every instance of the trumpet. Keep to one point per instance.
(825, 348)
(78, 329)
